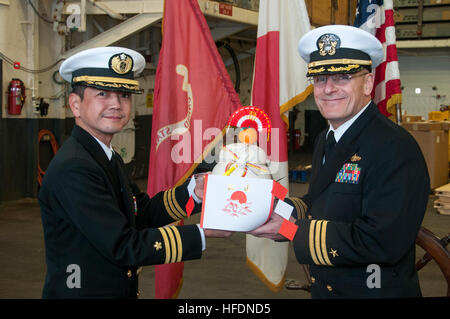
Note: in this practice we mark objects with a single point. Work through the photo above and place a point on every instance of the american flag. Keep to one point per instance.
(377, 17)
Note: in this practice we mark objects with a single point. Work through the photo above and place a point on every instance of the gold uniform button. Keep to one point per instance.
(138, 293)
(129, 273)
(313, 280)
(329, 288)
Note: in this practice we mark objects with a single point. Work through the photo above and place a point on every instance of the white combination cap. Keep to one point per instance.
(339, 49)
(107, 68)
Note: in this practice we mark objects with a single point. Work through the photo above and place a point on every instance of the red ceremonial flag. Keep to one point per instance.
(279, 83)
(193, 99)
(377, 17)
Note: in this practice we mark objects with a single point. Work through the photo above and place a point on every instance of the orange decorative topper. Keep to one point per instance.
(250, 117)
(248, 136)
(245, 158)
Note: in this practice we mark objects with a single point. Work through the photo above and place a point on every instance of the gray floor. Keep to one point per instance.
(221, 273)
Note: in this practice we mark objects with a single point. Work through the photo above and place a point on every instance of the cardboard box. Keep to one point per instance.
(411, 118)
(429, 126)
(423, 126)
(434, 146)
(445, 125)
(438, 116)
(443, 201)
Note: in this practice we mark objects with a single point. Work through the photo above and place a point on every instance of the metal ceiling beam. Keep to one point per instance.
(125, 7)
(209, 8)
(152, 13)
(117, 33)
(101, 5)
(240, 15)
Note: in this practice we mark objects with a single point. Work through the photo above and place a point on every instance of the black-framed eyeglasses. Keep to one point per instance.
(337, 79)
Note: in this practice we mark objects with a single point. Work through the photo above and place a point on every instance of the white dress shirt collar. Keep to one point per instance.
(344, 127)
(107, 149)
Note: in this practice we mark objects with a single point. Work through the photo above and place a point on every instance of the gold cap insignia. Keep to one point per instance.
(355, 158)
(121, 63)
(328, 43)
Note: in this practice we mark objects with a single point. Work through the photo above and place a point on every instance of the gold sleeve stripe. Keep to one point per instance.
(171, 197)
(311, 242)
(297, 207)
(172, 208)
(300, 207)
(177, 206)
(305, 207)
(317, 242)
(179, 243)
(166, 205)
(166, 244)
(323, 243)
(173, 244)
(169, 206)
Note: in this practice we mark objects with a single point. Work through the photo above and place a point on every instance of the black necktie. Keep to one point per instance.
(329, 144)
(116, 171)
(115, 164)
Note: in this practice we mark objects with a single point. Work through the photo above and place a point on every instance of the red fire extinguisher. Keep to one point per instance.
(16, 96)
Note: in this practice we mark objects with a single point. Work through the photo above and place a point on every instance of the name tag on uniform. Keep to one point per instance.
(349, 173)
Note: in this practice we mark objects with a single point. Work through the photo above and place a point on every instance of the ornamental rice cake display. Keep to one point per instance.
(240, 193)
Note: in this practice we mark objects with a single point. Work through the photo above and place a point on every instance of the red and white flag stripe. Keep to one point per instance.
(279, 83)
(387, 90)
(193, 92)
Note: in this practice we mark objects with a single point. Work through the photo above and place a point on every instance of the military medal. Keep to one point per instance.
(135, 206)
(349, 173)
